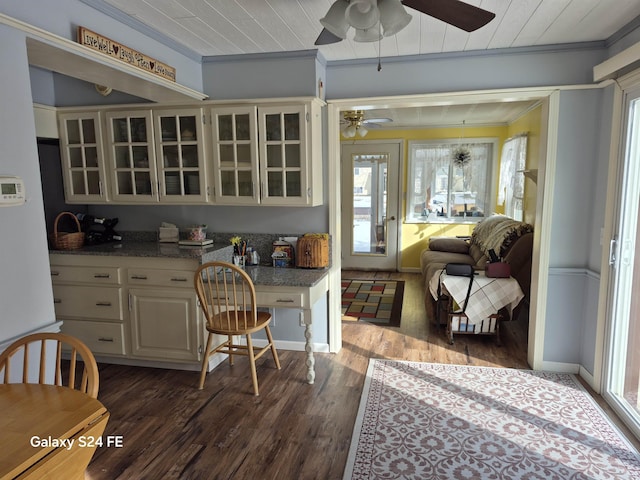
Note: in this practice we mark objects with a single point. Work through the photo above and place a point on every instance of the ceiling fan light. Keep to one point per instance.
(349, 131)
(362, 14)
(336, 20)
(393, 16)
(368, 35)
(362, 131)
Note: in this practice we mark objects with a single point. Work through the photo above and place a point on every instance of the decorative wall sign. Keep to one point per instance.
(125, 54)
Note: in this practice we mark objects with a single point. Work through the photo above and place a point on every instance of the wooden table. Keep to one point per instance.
(47, 431)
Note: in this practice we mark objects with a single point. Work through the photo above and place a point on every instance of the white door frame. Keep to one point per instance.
(541, 247)
(397, 230)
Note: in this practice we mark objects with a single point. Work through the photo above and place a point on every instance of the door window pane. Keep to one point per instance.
(88, 131)
(369, 204)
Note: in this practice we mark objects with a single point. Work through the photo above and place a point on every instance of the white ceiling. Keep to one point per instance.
(231, 27)
(227, 27)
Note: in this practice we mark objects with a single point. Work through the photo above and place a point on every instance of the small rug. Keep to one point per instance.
(432, 421)
(374, 301)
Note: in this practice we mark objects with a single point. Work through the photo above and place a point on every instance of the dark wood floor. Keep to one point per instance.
(293, 430)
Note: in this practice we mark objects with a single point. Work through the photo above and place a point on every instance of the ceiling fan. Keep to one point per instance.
(374, 19)
(355, 123)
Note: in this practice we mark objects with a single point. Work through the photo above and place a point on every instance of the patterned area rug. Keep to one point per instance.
(374, 301)
(431, 421)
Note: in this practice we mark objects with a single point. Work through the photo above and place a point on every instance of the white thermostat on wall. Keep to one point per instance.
(11, 191)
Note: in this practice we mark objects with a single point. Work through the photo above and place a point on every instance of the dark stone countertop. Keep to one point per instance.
(261, 275)
(208, 253)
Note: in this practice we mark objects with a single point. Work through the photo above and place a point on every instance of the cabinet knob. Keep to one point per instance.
(138, 277)
(57, 300)
(106, 339)
(103, 304)
(177, 279)
(55, 274)
(102, 275)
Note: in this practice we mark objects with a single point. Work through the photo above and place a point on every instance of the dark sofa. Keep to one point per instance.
(510, 239)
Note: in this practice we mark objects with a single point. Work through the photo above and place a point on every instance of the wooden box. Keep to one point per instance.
(313, 251)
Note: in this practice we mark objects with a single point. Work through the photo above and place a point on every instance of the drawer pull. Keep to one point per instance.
(57, 300)
(102, 275)
(55, 274)
(179, 279)
(285, 300)
(138, 277)
(103, 304)
(106, 339)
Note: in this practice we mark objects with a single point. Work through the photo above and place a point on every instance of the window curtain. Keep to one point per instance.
(511, 186)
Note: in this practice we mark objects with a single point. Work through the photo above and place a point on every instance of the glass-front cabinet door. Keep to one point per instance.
(82, 157)
(283, 155)
(179, 155)
(235, 155)
(131, 151)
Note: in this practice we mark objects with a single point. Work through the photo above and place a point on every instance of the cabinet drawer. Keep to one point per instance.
(280, 300)
(100, 337)
(162, 278)
(88, 302)
(98, 275)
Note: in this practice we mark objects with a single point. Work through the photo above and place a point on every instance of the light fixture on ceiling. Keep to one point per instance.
(371, 19)
(354, 120)
(103, 90)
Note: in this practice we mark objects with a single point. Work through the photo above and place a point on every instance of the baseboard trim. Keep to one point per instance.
(561, 367)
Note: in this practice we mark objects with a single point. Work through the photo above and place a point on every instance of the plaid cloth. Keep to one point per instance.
(488, 295)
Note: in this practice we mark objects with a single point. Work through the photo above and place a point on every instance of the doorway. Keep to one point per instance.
(622, 375)
(370, 175)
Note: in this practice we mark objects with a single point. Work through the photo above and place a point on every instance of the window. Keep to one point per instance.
(511, 187)
(439, 190)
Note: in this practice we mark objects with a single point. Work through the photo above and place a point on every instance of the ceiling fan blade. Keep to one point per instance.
(454, 12)
(377, 120)
(326, 38)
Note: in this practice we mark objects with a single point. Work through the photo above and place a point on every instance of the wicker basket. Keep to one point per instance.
(64, 240)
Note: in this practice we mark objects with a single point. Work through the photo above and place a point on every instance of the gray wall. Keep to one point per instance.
(262, 76)
(25, 295)
(461, 72)
(578, 214)
(63, 17)
(242, 219)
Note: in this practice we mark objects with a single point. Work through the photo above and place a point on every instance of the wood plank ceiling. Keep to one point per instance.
(227, 27)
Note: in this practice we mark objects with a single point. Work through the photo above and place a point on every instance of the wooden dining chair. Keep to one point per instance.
(42, 347)
(228, 299)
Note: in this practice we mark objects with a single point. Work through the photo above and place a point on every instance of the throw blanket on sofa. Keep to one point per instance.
(497, 232)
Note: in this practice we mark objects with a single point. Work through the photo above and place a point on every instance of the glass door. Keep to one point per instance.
(622, 375)
(132, 155)
(179, 155)
(283, 159)
(370, 205)
(82, 156)
(235, 155)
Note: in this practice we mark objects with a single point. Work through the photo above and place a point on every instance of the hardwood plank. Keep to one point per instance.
(292, 430)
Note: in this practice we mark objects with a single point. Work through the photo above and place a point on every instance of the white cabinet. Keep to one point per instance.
(151, 156)
(83, 165)
(131, 154)
(180, 155)
(140, 309)
(235, 155)
(164, 324)
(89, 301)
(268, 154)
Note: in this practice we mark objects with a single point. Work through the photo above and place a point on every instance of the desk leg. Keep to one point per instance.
(308, 346)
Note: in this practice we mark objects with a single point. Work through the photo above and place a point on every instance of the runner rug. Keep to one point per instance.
(374, 301)
(431, 421)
